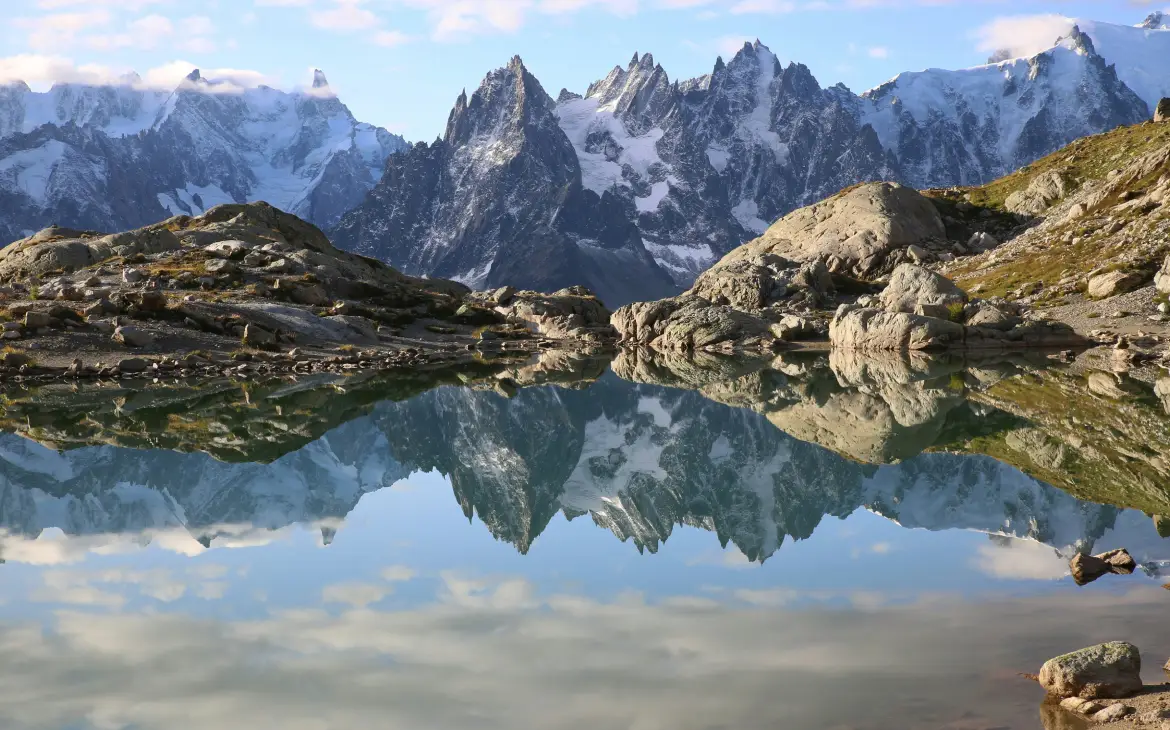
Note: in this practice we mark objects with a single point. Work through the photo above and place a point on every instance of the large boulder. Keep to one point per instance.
(685, 323)
(853, 232)
(1104, 671)
(1112, 283)
(574, 313)
(1044, 190)
(1162, 278)
(1162, 113)
(876, 330)
(917, 290)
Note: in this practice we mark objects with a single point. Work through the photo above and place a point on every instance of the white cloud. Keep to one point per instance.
(344, 15)
(1020, 560)
(391, 38)
(398, 573)
(132, 5)
(880, 52)
(1022, 35)
(357, 595)
(684, 663)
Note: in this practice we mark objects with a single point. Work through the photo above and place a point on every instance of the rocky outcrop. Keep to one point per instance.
(922, 310)
(574, 313)
(1041, 193)
(1104, 671)
(687, 323)
(1162, 113)
(863, 231)
(255, 275)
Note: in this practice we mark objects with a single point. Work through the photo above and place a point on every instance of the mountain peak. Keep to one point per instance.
(1078, 42)
(194, 77)
(319, 80)
(634, 60)
(516, 65)
(1156, 20)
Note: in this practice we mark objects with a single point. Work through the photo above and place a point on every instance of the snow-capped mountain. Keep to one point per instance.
(121, 156)
(698, 167)
(500, 200)
(967, 127)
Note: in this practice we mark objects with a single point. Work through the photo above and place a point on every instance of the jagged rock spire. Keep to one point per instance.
(1156, 20)
(319, 80)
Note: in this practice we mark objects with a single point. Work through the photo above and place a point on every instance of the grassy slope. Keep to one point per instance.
(1093, 247)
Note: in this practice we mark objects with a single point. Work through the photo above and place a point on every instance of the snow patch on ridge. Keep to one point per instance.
(681, 258)
(31, 171)
(748, 215)
(580, 118)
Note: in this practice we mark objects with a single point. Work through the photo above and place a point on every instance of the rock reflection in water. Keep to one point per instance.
(757, 453)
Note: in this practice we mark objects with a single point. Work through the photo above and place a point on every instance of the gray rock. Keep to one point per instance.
(132, 276)
(1162, 113)
(229, 249)
(876, 330)
(981, 241)
(257, 336)
(133, 336)
(1044, 190)
(1162, 278)
(1154, 717)
(916, 289)
(220, 267)
(983, 314)
(685, 323)
(1113, 713)
(36, 320)
(856, 230)
(1104, 671)
(1112, 283)
(133, 365)
(312, 295)
(362, 329)
(1080, 706)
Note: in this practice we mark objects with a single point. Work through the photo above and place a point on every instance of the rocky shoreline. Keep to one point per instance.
(247, 289)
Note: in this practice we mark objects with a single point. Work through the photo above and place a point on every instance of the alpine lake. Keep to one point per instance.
(642, 543)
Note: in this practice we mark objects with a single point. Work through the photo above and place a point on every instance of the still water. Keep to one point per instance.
(597, 554)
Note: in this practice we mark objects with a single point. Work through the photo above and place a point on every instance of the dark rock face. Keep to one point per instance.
(499, 201)
(120, 157)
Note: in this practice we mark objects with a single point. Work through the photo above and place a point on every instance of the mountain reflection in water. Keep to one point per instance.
(914, 549)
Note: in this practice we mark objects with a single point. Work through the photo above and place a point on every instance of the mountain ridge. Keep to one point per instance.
(206, 142)
(700, 166)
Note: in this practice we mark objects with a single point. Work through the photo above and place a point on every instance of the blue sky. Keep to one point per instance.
(401, 63)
